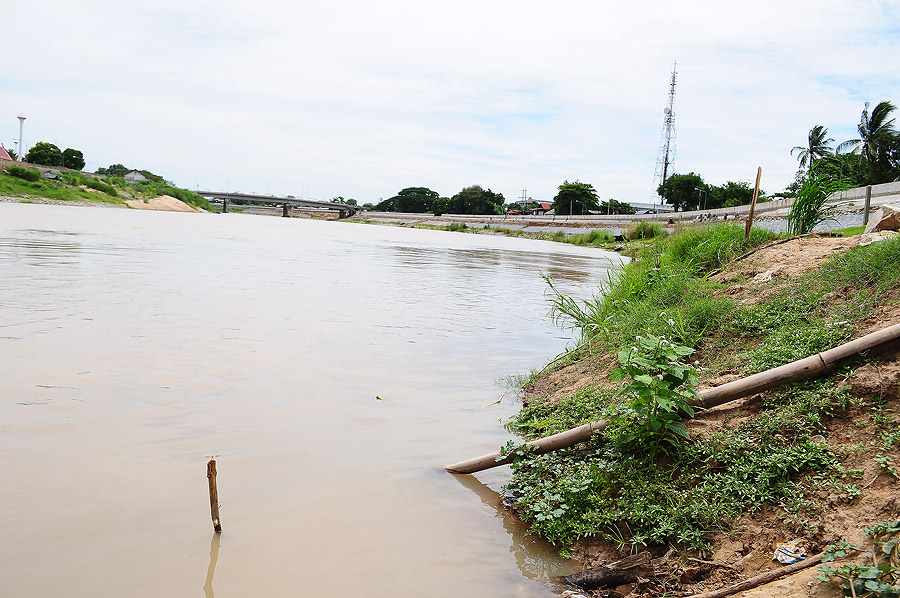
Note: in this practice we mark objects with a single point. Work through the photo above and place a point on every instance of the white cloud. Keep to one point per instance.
(361, 99)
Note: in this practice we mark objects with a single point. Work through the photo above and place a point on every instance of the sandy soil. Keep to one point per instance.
(162, 202)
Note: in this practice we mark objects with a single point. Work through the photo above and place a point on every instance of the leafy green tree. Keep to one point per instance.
(877, 143)
(114, 170)
(732, 193)
(818, 145)
(440, 206)
(73, 158)
(385, 205)
(476, 200)
(414, 199)
(851, 168)
(612, 206)
(12, 153)
(575, 198)
(679, 190)
(44, 153)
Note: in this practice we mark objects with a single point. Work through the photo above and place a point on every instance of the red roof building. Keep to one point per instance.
(4, 155)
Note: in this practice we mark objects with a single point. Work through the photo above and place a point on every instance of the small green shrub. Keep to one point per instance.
(594, 237)
(116, 181)
(22, 172)
(645, 229)
(660, 391)
(862, 580)
(72, 177)
(101, 186)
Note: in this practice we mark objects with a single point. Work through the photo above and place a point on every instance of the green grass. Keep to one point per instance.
(595, 238)
(664, 292)
(851, 231)
(58, 190)
(645, 229)
(114, 189)
(613, 490)
(609, 490)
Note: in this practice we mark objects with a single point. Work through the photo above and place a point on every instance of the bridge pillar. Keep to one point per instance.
(284, 210)
(225, 206)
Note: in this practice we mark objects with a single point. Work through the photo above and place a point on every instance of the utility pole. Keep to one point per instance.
(524, 199)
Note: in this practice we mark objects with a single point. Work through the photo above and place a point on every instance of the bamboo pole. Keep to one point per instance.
(753, 204)
(541, 446)
(762, 578)
(213, 495)
(803, 369)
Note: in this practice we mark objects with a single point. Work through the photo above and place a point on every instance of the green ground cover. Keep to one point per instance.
(663, 321)
(18, 181)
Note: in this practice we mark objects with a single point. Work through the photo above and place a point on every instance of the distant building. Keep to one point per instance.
(134, 175)
(4, 155)
(651, 208)
(542, 208)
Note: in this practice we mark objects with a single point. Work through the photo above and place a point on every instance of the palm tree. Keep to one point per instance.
(817, 147)
(876, 136)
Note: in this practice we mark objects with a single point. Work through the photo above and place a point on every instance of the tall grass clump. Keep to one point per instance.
(644, 229)
(712, 246)
(665, 291)
(26, 174)
(101, 186)
(809, 207)
(595, 237)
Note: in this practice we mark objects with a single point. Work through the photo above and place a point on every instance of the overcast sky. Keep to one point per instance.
(361, 99)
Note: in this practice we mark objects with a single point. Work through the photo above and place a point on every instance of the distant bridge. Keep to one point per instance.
(344, 210)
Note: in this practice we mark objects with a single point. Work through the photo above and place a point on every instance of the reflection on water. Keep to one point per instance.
(133, 343)
(211, 570)
(536, 558)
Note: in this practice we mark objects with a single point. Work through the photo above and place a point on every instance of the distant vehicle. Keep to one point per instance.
(646, 212)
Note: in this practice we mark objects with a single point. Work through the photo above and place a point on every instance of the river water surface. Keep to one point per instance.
(134, 344)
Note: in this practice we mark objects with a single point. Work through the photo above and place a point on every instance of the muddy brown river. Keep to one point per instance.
(134, 344)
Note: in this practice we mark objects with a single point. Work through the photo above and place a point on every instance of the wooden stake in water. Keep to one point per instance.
(213, 493)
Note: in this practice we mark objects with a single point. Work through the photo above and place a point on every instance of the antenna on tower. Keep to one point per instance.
(666, 155)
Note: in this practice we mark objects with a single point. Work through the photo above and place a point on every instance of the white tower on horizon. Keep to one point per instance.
(21, 148)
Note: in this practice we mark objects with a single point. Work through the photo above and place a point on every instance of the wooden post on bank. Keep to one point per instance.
(753, 204)
(213, 494)
(868, 205)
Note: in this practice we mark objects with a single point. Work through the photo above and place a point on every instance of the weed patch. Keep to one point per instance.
(649, 483)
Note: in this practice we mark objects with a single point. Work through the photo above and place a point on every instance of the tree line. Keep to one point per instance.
(687, 192)
(48, 154)
(869, 159)
(572, 198)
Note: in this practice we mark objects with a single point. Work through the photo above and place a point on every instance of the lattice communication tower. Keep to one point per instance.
(666, 156)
